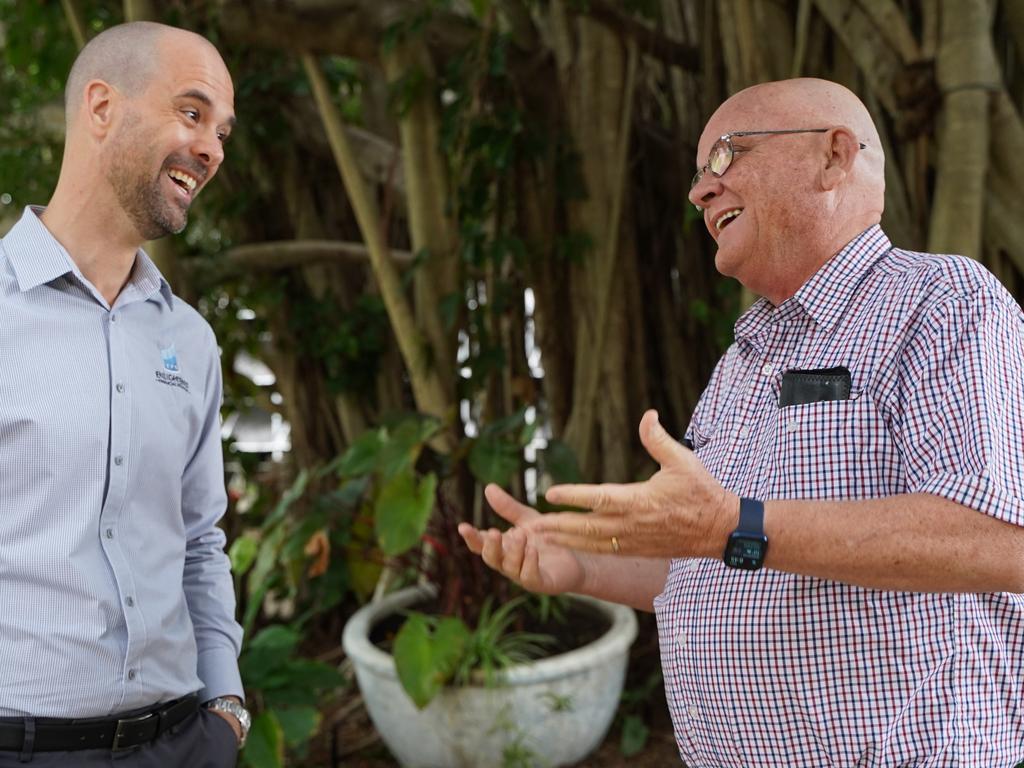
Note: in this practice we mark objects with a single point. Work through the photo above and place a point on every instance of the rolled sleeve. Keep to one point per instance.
(957, 413)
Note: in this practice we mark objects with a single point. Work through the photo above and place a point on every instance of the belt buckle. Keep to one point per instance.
(121, 725)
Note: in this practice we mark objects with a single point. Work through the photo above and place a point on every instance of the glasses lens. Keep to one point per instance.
(696, 178)
(720, 157)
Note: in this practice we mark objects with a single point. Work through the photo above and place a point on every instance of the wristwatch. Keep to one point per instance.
(236, 710)
(747, 545)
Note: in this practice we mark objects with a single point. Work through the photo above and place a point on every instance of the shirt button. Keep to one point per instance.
(692, 711)
(793, 425)
(744, 432)
(119, 460)
(113, 318)
(120, 387)
(129, 601)
(131, 674)
(681, 641)
(767, 369)
(110, 533)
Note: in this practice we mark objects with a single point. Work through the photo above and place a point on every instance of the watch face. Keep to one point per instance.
(746, 551)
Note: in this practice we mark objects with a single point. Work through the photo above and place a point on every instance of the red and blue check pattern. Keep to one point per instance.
(772, 669)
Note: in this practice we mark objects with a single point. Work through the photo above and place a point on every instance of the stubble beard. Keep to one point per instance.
(141, 197)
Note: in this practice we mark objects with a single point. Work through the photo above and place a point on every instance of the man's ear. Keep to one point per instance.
(98, 107)
(840, 152)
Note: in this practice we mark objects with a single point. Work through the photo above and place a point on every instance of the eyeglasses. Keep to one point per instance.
(722, 151)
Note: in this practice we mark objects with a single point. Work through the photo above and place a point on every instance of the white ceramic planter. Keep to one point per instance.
(555, 710)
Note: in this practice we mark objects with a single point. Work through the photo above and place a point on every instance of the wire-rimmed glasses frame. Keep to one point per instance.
(722, 152)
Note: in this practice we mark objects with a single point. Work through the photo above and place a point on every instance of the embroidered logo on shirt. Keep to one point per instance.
(173, 381)
(170, 358)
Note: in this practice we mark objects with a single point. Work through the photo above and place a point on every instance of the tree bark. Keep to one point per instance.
(428, 390)
(967, 74)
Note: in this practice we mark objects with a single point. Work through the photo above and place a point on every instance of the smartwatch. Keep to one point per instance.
(747, 545)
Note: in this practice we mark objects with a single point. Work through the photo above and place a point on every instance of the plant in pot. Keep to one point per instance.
(456, 668)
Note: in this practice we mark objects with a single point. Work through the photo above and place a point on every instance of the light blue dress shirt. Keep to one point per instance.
(115, 592)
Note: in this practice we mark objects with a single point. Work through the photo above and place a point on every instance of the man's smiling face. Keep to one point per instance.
(170, 140)
(763, 204)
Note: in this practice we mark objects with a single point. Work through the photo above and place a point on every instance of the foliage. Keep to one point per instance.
(288, 687)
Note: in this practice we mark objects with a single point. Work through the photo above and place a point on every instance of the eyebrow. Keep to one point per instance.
(202, 98)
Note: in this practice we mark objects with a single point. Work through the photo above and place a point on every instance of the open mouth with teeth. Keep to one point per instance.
(186, 182)
(727, 218)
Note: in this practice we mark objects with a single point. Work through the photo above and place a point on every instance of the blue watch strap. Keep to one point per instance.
(751, 516)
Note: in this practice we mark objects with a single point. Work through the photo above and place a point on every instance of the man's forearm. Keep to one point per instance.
(913, 542)
(632, 581)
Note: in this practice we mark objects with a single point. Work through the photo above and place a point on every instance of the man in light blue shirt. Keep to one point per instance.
(116, 599)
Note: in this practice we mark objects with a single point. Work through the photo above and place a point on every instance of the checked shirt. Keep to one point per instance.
(773, 669)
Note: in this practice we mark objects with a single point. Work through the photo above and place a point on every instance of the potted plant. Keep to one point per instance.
(456, 669)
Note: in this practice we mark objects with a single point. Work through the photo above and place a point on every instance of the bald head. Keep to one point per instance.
(125, 56)
(808, 102)
(808, 176)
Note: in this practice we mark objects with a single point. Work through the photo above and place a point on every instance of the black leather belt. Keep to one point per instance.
(113, 733)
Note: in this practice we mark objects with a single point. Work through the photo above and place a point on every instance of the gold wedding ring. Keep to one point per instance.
(615, 544)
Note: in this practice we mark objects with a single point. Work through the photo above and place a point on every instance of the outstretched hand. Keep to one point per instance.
(681, 511)
(521, 555)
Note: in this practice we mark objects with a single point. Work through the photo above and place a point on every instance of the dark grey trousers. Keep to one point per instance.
(205, 740)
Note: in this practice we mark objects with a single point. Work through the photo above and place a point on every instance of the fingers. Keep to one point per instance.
(513, 545)
(502, 552)
(472, 538)
(606, 497)
(662, 447)
(508, 507)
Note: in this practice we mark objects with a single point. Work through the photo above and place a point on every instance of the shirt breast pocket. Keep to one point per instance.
(835, 449)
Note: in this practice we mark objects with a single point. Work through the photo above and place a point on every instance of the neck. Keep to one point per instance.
(96, 233)
(829, 245)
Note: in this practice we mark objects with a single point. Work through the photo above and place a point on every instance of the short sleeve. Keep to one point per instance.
(958, 406)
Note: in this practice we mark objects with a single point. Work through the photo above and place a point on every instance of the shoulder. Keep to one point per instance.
(189, 320)
(937, 278)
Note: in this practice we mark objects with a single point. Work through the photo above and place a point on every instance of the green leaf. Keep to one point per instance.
(450, 640)
(289, 497)
(560, 462)
(243, 553)
(425, 661)
(402, 510)
(634, 735)
(402, 447)
(493, 460)
(414, 661)
(361, 456)
(298, 724)
(278, 638)
(265, 745)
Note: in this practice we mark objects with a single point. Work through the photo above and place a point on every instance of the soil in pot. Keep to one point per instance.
(577, 625)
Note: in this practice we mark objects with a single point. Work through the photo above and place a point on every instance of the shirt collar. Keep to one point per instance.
(826, 294)
(37, 258)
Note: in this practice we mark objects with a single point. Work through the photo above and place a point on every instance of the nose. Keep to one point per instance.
(705, 190)
(209, 150)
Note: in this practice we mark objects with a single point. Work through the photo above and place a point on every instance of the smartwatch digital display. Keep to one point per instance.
(748, 544)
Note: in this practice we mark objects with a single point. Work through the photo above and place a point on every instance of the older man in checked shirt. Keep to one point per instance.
(861, 440)
(116, 598)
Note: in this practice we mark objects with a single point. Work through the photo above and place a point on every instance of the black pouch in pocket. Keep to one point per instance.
(814, 386)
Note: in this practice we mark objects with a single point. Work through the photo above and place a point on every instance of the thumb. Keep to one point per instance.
(508, 507)
(662, 447)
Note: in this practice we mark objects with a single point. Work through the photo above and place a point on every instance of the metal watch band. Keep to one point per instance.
(235, 709)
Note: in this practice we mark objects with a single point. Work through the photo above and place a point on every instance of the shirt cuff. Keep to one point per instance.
(218, 669)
